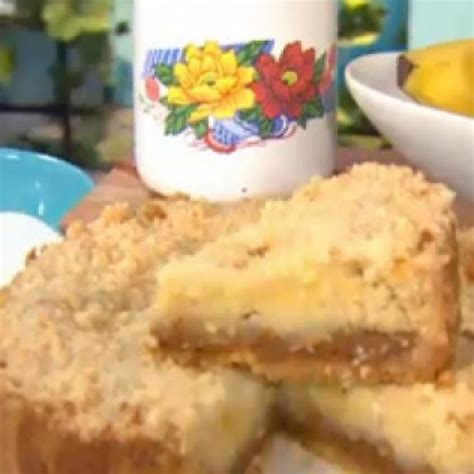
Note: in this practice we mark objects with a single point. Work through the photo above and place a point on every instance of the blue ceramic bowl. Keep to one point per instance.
(39, 185)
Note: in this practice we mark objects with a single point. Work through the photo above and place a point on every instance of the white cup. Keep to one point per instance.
(234, 98)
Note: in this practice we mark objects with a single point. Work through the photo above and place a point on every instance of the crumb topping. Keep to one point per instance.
(373, 216)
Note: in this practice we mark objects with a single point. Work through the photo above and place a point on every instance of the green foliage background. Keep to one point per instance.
(83, 24)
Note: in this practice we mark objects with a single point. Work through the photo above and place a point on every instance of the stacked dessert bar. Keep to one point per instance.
(177, 337)
(347, 294)
(353, 279)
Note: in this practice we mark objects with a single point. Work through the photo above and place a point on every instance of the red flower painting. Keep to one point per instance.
(284, 86)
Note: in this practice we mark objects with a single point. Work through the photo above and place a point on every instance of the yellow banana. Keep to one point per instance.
(440, 76)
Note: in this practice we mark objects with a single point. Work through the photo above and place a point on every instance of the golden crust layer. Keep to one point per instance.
(373, 250)
(75, 336)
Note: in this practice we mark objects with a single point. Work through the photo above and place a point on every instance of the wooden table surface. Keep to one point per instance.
(123, 184)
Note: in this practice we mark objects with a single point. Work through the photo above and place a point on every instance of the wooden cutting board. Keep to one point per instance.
(122, 184)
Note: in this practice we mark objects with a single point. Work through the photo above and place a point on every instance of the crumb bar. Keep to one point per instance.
(418, 429)
(79, 390)
(353, 278)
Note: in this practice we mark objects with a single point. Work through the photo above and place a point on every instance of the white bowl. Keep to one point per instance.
(437, 142)
(19, 234)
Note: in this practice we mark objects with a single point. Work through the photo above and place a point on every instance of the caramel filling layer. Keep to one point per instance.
(361, 355)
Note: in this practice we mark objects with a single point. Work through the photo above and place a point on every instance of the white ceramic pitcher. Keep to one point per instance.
(234, 98)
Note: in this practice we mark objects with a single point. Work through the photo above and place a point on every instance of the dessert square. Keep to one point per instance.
(352, 279)
(419, 429)
(80, 391)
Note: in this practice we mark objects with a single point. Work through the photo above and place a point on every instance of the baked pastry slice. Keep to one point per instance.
(418, 429)
(354, 278)
(80, 392)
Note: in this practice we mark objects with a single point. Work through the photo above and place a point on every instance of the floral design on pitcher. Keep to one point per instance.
(231, 97)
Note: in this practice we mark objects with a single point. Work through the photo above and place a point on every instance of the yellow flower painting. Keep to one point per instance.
(212, 79)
